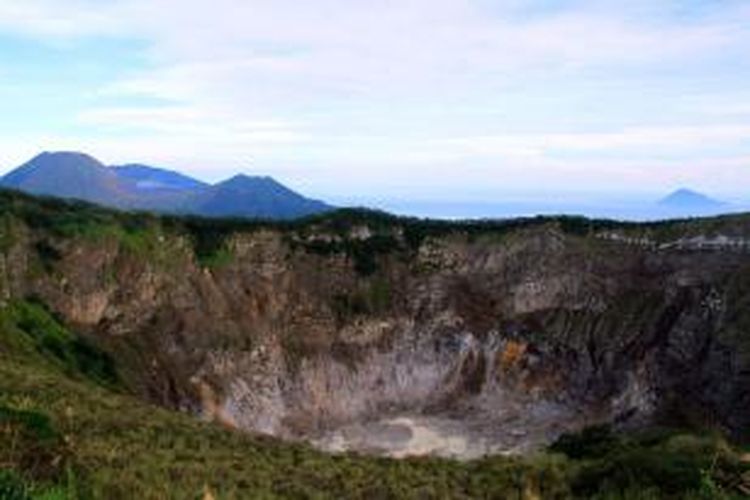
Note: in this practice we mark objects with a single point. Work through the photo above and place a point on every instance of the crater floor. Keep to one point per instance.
(449, 436)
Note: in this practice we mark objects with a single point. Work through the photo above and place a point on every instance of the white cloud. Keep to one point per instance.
(680, 138)
(61, 20)
(317, 85)
(347, 47)
(307, 50)
(193, 122)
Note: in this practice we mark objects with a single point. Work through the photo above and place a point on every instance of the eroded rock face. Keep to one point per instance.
(460, 346)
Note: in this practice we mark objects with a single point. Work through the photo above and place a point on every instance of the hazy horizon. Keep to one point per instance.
(444, 101)
(627, 205)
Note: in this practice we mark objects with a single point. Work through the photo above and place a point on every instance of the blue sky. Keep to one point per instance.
(420, 99)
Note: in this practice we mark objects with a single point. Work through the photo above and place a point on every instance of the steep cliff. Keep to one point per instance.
(360, 330)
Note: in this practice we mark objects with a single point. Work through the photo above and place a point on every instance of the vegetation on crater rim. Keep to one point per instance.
(143, 233)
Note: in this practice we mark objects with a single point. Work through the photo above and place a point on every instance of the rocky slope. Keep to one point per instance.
(358, 330)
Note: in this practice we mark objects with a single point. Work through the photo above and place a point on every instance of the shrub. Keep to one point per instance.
(591, 442)
(33, 447)
(656, 464)
(11, 486)
(54, 341)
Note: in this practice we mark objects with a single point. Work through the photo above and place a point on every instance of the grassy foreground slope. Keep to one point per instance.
(68, 431)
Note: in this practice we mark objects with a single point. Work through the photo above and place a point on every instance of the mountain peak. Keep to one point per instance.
(254, 184)
(66, 174)
(244, 179)
(63, 154)
(262, 196)
(688, 198)
(70, 174)
(63, 159)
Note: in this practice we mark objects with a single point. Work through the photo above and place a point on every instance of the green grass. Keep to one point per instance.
(669, 463)
(217, 259)
(121, 448)
(65, 435)
(28, 328)
(7, 232)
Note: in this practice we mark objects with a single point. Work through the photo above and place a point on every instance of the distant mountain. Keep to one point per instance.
(151, 178)
(263, 196)
(686, 199)
(68, 175)
(136, 186)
